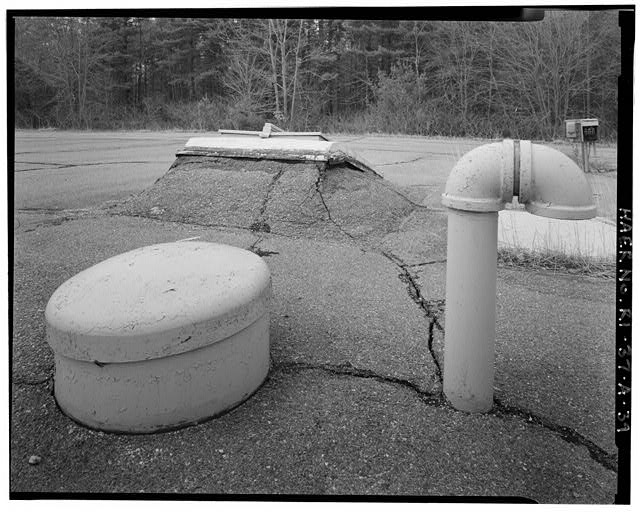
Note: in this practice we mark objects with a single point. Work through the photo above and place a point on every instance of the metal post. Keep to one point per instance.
(471, 309)
(585, 159)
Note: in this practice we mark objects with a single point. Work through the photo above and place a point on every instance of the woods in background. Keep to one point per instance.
(413, 77)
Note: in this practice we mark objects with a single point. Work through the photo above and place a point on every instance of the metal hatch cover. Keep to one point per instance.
(272, 143)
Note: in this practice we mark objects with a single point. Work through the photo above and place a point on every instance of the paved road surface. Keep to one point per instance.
(352, 404)
(62, 170)
(66, 170)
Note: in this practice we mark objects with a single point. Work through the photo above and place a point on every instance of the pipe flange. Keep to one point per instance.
(482, 180)
(524, 191)
(506, 169)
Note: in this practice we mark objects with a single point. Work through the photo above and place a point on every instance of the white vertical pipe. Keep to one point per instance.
(470, 326)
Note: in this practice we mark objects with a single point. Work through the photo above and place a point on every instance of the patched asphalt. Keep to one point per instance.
(352, 404)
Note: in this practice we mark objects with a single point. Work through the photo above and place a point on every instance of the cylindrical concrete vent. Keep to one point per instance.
(160, 337)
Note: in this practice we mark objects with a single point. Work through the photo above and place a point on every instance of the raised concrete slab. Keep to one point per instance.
(287, 147)
(298, 199)
(594, 238)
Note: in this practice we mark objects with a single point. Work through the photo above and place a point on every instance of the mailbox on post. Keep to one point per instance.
(584, 130)
(589, 129)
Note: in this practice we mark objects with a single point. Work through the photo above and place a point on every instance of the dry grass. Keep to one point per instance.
(556, 262)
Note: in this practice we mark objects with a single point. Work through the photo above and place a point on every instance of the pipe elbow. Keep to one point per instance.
(482, 180)
(545, 180)
(552, 185)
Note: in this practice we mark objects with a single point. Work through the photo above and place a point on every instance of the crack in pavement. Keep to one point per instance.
(432, 352)
(500, 410)
(431, 309)
(58, 216)
(402, 162)
(260, 252)
(210, 226)
(50, 223)
(62, 166)
(182, 222)
(434, 262)
(568, 434)
(272, 184)
(318, 181)
(47, 210)
(260, 224)
(348, 369)
(392, 189)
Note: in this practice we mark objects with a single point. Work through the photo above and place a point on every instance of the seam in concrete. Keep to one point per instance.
(318, 182)
(62, 166)
(260, 252)
(402, 162)
(500, 410)
(272, 184)
(52, 222)
(180, 222)
(295, 222)
(57, 216)
(568, 434)
(348, 369)
(392, 189)
(432, 352)
(434, 262)
(260, 224)
(430, 308)
(414, 204)
(208, 226)
(47, 210)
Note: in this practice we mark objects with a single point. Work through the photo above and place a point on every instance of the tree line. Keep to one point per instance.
(449, 78)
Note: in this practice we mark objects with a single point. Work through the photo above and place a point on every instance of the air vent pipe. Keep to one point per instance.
(549, 184)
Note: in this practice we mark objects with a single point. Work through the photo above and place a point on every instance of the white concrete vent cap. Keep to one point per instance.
(160, 337)
(157, 301)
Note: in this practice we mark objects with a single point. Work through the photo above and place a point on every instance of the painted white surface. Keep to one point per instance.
(160, 394)
(548, 182)
(256, 143)
(282, 146)
(161, 336)
(470, 325)
(157, 300)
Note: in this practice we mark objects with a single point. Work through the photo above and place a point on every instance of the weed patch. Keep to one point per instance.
(556, 261)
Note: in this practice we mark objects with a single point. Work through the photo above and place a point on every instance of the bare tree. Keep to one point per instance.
(542, 68)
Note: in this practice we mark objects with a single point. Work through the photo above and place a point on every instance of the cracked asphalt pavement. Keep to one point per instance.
(352, 404)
